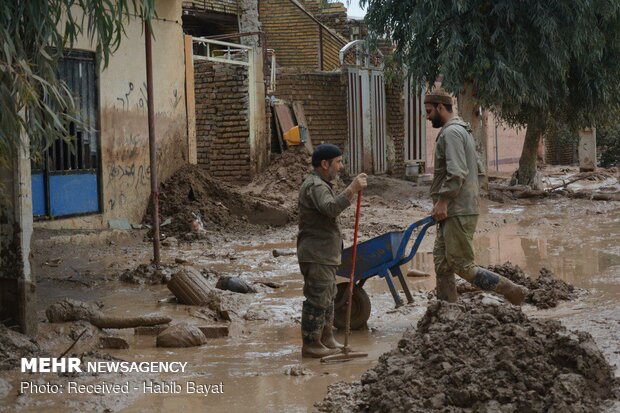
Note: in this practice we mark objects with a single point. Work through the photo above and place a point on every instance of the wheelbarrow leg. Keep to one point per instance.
(396, 271)
(390, 283)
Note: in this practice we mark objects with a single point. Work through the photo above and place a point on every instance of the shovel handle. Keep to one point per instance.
(352, 276)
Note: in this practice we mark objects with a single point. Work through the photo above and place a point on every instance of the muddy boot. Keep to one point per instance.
(490, 281)
(327, 338)
(446, 288)
(311, 330)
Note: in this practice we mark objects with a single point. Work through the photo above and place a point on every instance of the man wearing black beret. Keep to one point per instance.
(319, 247)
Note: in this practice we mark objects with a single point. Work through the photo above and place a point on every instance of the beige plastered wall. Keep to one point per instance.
(124, 144)
(509, 144)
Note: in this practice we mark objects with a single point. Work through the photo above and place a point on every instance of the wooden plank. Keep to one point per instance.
(298, 109)
(284, 116)
(278, 132)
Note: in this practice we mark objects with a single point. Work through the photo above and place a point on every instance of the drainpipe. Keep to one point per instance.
(152, 143)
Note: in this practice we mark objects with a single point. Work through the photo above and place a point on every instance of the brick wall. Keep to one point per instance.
(290, 32)
(560, 153)
(334, 16)
(223, 6)
(395, 110)
(324, 97)
(295, 36)
(222, 129)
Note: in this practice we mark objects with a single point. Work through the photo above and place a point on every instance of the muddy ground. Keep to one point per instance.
(259, 362)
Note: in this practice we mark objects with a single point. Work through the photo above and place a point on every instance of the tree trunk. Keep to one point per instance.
(470, 111)
(526, 174)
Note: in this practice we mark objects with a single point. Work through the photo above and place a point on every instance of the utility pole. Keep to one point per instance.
(152, 143)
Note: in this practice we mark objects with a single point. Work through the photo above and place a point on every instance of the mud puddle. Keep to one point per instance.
(576, 241)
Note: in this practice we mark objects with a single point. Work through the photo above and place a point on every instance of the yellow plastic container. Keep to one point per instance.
(293, 136)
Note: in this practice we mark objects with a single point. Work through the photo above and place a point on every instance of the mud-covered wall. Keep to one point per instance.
(324, 98)
(124, 148)
(222, 125)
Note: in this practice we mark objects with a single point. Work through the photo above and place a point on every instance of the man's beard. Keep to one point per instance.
(436, 122)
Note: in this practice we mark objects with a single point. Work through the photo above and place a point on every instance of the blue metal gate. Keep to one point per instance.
(66, 181)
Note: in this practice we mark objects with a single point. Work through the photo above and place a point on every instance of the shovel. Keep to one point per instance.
(346, 352)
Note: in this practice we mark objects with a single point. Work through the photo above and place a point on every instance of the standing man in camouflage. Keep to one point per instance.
(455, 205)
(319, 247)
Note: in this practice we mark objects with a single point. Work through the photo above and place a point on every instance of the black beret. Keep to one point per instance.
(325, 152)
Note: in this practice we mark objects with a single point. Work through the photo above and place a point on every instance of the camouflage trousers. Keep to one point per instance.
(318, 308)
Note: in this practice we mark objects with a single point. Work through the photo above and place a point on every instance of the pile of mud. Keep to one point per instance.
(221, 207)
(281, 180)
(546, 291)
(148, 274)
(482, 356)
(14, 346)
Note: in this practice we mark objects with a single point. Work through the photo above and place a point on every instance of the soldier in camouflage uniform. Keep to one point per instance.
(319, 247)
(456, 201)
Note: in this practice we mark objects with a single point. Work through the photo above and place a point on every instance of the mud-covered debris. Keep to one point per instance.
(215, 331)
(147, 274)
(5, 388)
(14, 346)
(74, 310)
(283, 253)
(191, 287)
(191, 191)
(546, 291)
(181, 335)
(297, 370)
(479, 357)
(270, 284)
(113, 342)
(235, 284)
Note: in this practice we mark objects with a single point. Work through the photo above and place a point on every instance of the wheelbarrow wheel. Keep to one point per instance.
(360, 307)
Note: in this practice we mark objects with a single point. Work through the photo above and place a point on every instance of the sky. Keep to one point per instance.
(354, 10)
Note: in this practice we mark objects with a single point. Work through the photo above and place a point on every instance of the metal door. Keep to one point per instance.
(358, 126)
(415, 127)
(367, 121)
(378, 121)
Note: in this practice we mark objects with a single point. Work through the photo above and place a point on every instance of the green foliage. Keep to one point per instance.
(608, 146)
(33, 37)
(526, 59)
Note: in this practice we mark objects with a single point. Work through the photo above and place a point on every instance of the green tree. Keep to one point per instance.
(532, 62)
(34, 35)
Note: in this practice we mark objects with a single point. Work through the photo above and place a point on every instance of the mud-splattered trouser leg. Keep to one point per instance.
(320, 292)
(454, 253)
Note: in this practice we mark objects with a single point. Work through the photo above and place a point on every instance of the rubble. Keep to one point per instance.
(74, 310)
(14, 346)
(181, 335)
(482, 356)
(234, 284)
(147, 274)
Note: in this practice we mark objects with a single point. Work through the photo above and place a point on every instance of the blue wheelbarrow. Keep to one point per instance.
(382, 256)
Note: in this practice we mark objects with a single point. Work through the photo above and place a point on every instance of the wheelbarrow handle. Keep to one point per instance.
(425, 223)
